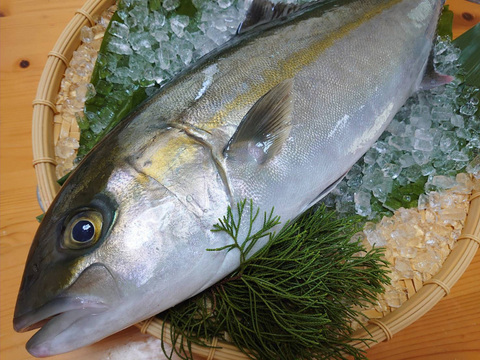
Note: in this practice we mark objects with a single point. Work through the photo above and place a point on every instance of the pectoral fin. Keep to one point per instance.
(265, 128)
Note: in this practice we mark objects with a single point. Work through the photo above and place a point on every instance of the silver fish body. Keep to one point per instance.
(335, 75)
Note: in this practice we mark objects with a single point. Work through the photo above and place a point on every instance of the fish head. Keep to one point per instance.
(117, 246)
(65, 278)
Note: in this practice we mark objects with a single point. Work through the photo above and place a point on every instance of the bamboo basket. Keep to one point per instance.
(381, 327)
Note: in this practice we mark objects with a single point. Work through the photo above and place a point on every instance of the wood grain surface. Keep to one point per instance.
(28, 31)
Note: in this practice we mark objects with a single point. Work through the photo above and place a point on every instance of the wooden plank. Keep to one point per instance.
(467, 14)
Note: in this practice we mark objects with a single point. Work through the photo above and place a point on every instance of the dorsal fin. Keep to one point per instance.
(265, 128)
(264, 11)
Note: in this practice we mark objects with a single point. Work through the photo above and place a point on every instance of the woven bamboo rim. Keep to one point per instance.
(381, 327)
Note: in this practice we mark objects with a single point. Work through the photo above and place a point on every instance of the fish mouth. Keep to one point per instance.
(53, 318)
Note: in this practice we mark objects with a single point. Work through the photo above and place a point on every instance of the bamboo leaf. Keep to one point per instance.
(445, 24)
(469, 43)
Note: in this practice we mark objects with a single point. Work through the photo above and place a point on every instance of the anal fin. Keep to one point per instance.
(432, 78)
(327, 190)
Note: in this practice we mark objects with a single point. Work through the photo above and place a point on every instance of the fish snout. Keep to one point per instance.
(39, 299)
(38, 317)
(27, 299)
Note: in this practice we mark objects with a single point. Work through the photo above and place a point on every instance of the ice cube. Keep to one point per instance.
(178, 24)
(404, 268)
(220, 24)
(474, 167)
(423, 134)
(185, 52)
(160, 35)
(468, 109)
(421, 157)
(383, 188)
(216, 36)
(457, 120)
(372, 179)
(423, 145)
(453, 56)
(170, 5)
(401, 143)
(452, 215)
(370, 156)
(443, 182)
(392, 170)
(422, 202)
(406, 160)
(396, 127)
(160, 75)
(156, 21)
(412, 173)
(141, 40)
(119, 46)
(86, 34)
(408, 252)
(224, 3)
(147, 54)
(440, 47)
(165, 55)
(463, 134)
(448, 142)
(381, 147)
(362, 203)
(140, 14)
(119, 30)
(458, 156)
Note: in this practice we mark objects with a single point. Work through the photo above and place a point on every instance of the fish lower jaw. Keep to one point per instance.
(53, 319)
(42, 344)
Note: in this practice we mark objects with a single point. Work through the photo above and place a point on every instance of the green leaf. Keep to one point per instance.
(187, 8)
(469, 43)
(64, 178)
(40, 217)
(445, 24)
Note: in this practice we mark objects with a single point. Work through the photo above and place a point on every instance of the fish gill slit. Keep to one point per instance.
(203, 138)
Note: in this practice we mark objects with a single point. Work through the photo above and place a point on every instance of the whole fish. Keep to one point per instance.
(278, 115)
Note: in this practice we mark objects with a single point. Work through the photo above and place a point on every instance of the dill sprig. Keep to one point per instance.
(294, 299)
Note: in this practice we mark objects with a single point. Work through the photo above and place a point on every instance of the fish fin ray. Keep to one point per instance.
(264, 11)
(432, 78)
(264, 129)
(327, 190)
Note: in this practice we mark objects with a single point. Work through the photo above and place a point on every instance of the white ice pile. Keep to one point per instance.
(433, 137)
(160, 42)
(75, 89)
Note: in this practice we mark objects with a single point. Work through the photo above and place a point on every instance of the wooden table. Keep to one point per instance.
(29, 29)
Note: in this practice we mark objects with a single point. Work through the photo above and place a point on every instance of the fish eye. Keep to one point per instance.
(83, 229)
